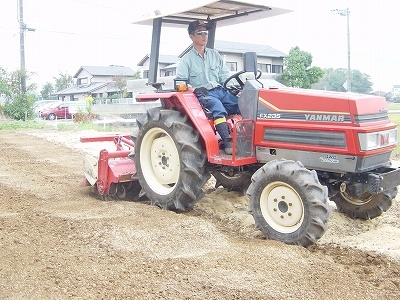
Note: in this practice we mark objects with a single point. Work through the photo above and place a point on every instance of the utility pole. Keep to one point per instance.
(22, 29)
(346, 13)
(348, 52)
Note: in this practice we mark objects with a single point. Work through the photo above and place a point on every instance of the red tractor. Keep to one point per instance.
(292, 149)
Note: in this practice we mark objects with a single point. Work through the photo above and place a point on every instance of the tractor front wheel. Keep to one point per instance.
(366, 206)
(288, 203)
(169, 159)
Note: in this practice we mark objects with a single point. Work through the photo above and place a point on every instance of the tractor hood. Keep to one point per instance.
(315, 105)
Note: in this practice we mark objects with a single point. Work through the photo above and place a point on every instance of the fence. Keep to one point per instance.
(105, 101)
(123, 106)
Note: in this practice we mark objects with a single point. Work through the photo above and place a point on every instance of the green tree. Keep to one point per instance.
(18, 104)
(360, 82)
(119, 82)
(63, 81)
(3, 82)
(47, 90)
(298, 71)
(334, 79)
(137, 75)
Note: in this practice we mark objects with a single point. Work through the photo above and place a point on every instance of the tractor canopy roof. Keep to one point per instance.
(223, 12)
(216, 13)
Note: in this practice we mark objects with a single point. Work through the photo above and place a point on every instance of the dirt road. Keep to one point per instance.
(58, 242)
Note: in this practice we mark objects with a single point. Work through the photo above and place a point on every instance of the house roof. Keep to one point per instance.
(236, 47)
(82, 89)
(112, 70)
(163, 59)
(379, 93)
(172, 66)
(87, 89)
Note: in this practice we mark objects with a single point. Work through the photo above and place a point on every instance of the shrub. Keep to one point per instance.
(20, 108)
(84, 117)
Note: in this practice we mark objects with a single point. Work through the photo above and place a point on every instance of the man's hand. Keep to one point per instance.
(201, 90)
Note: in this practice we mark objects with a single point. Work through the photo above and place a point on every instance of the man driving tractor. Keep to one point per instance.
(206, 72)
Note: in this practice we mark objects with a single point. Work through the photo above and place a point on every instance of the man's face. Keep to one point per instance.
(200, 36)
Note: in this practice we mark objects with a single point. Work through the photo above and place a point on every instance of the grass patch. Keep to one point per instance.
(35, 124)
(96, 127)
(16, 125)
(394, 106)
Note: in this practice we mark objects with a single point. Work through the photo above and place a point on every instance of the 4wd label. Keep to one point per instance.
(330, 159)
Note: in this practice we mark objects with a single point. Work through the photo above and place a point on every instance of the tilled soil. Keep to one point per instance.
(57, 241)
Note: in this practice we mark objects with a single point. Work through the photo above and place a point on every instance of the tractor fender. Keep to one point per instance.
(187, 103)
(196, 114)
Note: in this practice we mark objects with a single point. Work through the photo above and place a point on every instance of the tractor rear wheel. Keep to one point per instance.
(288, 203)
(170, 158)
(367, 206)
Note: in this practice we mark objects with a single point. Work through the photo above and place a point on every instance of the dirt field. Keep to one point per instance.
(58, 242)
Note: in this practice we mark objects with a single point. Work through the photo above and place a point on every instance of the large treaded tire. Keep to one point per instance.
(169, 159)
(288, 203)
(238, 182)
(365, 207)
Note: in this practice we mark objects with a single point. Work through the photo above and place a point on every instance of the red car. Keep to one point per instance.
(56, 111)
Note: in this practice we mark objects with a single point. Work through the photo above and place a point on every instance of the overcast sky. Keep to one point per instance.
(74, 33)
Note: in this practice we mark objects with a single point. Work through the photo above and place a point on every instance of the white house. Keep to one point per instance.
(396, 91)
(97, 81)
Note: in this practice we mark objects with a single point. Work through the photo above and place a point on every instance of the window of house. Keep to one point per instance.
(232, 66)
(82, 81)
(146, 74)
(277, 69)
(265, 68)
(170, 73)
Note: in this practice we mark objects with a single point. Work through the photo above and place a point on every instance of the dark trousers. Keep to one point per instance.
(221, 103)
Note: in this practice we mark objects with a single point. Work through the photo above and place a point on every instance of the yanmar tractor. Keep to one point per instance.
(292, 148)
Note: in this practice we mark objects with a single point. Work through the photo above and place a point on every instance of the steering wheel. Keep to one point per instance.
(236, 88)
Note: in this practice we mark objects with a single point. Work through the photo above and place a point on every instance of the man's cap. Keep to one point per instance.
(196, 24)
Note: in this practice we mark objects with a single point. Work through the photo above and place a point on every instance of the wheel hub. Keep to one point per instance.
(282, 207)
(165, 160)
(355, 193)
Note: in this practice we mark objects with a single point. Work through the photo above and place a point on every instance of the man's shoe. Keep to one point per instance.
(228, 148)
(224, 133)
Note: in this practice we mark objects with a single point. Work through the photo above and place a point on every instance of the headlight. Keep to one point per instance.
(376, 140)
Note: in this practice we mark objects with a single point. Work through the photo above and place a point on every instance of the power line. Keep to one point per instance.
(71, 33)
(83, 34)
